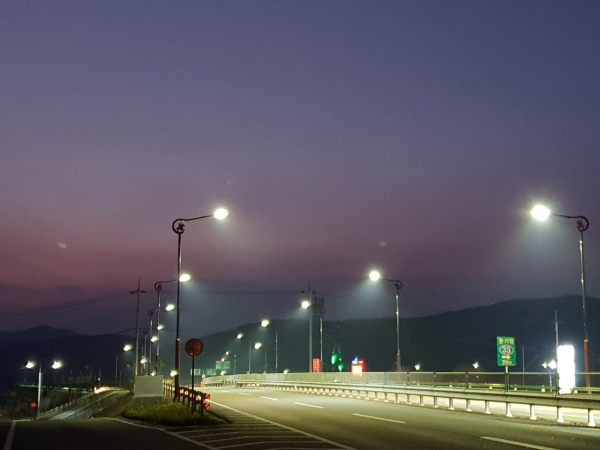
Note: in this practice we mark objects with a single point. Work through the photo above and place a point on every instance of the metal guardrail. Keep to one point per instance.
(359, 388)
(190, 397)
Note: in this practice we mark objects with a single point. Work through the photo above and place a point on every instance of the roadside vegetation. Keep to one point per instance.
(170, 414)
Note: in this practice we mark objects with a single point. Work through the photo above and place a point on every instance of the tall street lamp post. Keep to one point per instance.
(265, 323)
(178, 228)
(316, 307)
(126, 348)
(540, 212)
(158, 288)
(374, 275)
(307, 304)
(30, 365)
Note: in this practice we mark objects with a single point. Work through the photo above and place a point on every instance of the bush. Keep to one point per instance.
(173, 414)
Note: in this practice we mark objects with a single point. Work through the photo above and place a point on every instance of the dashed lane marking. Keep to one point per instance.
(306, 404)
(518, 444)
(377, 418)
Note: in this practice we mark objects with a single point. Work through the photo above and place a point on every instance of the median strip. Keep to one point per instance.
(378, 418)
(518, 444)
(306, 404)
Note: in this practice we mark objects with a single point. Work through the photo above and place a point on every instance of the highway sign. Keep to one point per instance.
(223, 365)
(506, 351)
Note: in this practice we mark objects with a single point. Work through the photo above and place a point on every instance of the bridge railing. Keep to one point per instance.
(520, 381)
(192, 398)
(397, 387)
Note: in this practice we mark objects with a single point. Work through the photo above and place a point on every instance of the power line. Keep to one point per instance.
(63, 305)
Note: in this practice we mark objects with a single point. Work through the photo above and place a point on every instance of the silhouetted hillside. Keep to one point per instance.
(441, 342)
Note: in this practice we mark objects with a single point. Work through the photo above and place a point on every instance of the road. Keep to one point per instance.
(88, 434)
(366, 425)
(268, 419)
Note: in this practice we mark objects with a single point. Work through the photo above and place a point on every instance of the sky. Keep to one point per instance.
(409, 136)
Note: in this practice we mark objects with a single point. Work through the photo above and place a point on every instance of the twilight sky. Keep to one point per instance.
(409, 136)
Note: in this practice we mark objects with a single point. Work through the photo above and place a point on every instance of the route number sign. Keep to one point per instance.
(506, 350)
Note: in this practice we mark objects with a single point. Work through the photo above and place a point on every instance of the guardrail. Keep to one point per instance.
(190, 397)
(397, 393)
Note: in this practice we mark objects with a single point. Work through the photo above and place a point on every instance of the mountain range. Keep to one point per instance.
(442, 342)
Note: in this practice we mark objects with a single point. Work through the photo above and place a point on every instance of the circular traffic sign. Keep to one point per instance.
(194, 347)
(507, 350)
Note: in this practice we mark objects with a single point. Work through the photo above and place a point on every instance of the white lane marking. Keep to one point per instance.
(378, 418)
(518, 444)
(223, 390)
(269, 398)
(242, 393)
(127, 422)
(10, 436)
(337, 444)
(306, 404)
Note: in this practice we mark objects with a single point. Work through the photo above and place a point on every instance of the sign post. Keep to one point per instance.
(194, 347)
(506, 351)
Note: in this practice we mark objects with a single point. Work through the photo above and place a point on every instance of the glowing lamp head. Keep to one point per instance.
(540, 212)
(170, 307)
(265, 323)
(173, 373)
(305, 304)
(160, 327)
(185, 277)
(374, 275)
(127, 347)
(257, 345)
(154, 339)
(30, 365)
(240, 335)
(220, 213)
(417, 367)
(56, 365)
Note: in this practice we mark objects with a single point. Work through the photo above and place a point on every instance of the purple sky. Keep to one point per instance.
(411, 136)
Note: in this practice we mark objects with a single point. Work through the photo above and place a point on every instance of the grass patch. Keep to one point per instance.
(172, 414)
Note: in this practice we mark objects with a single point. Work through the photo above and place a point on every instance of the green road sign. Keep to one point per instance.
(507, 351)
(223, 365)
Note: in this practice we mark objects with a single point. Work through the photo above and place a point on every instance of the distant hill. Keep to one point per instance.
(442, 342)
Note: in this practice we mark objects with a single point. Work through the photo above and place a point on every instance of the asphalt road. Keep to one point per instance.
(366, 425)
(265, 419)
(88, 434)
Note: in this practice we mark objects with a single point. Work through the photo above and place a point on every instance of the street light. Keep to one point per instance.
(178, 228)
(375, 276)
(126, 348)
(550, 366)
(265, 323)
(30, 365)
(307, 304)
(540, 212)
(158, 288)
(315, 306)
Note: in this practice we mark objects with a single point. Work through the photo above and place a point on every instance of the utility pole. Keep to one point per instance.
(556, 331)
(137, 327)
